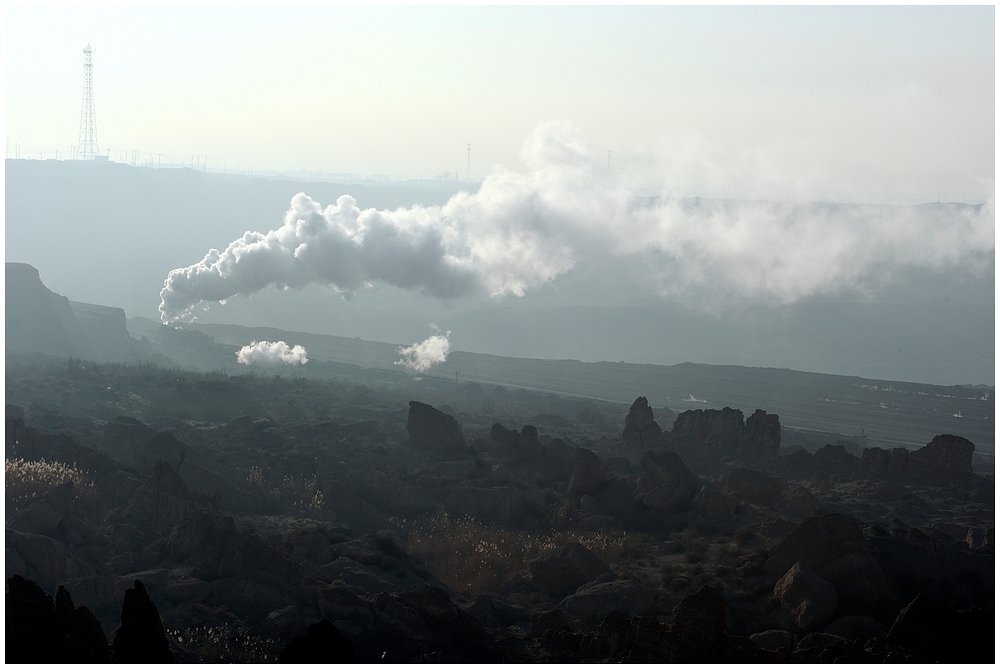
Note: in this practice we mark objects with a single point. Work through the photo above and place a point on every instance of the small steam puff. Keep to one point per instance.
(271, 353)
(520, 230)
(425, 354)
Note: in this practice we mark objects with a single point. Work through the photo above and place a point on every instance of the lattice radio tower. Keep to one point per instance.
(88, 149)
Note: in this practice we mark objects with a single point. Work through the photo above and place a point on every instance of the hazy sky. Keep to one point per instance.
(865, 103)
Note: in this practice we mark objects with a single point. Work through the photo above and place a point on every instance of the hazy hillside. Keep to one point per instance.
(889, 412)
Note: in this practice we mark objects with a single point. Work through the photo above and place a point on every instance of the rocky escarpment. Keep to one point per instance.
(41, 321)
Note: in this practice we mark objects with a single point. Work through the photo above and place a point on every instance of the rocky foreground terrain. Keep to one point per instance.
(154, 514)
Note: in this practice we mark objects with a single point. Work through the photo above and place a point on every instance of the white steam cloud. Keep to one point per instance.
(522, 229)
(425, 354)
(271, 353)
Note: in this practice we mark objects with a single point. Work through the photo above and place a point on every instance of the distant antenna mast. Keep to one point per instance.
(468, 162)
(88, 149)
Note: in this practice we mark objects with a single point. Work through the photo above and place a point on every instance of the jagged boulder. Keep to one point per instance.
(164, 447)
(714, 504)
(502, 438)
(672, 486)
(592, 602)
(163, 500)
(796, 502)
(434, 429)
(834, 546)
(560, 571)
(124, 437)
(808, 601)
(588, 473)
(668, 468)
(322, 643)
(700, 618)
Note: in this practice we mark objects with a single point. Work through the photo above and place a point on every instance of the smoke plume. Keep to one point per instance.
(425, 354)
(523, 229)
(271, 353)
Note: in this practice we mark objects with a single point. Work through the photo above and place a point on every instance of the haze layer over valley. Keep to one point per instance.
(898, 323)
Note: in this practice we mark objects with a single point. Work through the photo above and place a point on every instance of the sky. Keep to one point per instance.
(856, 104)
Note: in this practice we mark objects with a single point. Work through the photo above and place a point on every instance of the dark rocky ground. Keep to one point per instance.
(154, 514)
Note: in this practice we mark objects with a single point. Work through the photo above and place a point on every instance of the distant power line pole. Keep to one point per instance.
(88, 149)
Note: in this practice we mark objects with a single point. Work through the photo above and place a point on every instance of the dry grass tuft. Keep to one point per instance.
(26, 480)
(473, 558)
(225, 642)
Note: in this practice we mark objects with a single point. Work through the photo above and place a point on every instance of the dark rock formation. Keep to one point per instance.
(700, 619)
(322, 643)
(754, 485)
(672, 486)
(163, 446)
(937, 633)
(40, 631)
(722, 433)
(835, 454)
(808, 601)
(946, 459)
(835, 548)
(914, 562)
(714, 504)
(668, 468)
(560, 571)
(140, 638)
(641, 430)
(593, 601)
(588, 473)
(796, 502)
(761, 436)
(527, 440)
(124, 437)
(501, 437)
(433, 429)
(946, 452)
(720, 428)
